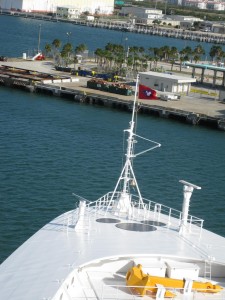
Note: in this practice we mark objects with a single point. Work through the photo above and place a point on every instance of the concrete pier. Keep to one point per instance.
(122, 25)
(194, 109)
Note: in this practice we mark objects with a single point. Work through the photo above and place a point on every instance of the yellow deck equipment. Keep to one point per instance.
(142, 283)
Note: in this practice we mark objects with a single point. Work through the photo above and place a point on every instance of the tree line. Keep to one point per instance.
(64, 54)
(119, 58)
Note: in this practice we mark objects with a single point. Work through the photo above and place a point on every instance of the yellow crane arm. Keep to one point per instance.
(142, 282)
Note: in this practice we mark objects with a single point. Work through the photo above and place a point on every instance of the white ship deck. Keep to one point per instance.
(86, 253)
(97, 255)
(107, 286)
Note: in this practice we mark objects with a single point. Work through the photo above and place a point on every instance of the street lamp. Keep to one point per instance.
(68, 36)
(126, 48)
(39, 38)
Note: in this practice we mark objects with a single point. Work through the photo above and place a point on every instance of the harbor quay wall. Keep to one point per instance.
(121, 25)
(149, 107)
(144, 107)
(74, 90)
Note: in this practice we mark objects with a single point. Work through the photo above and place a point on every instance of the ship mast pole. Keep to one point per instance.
(129, 154)
(122, 200)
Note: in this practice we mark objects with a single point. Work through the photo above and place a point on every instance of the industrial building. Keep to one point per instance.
(166, 82)
(142, 14)
(67, 12)
(201, 4)
(50, 6)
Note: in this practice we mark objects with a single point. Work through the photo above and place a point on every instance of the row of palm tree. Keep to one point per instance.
(115, 57)
(64, 54)
(118, 58)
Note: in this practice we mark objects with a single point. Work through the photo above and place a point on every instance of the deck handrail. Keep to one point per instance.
(134, 295)
(148, 210)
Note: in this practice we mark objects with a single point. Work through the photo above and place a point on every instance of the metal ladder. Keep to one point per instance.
(208, 269)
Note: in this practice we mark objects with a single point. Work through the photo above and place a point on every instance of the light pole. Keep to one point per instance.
(126, 49)
(39, 37)
(68, 36)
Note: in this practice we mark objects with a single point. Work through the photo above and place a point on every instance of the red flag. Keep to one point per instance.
(147, 93)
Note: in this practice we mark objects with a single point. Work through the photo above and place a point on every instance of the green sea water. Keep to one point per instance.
(51, 148)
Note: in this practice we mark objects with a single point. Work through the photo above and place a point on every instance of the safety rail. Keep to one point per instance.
(116, 292)
(142, 211)
(121, 292)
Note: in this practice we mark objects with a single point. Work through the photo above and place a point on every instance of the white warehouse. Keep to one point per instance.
(50, 6)
(165, 82)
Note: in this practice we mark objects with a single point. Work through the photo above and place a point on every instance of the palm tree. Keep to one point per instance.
(185, 54)
(151, 60)
(56, 43)
(66, 52)
(183, 57)
(188, 51)
(165, 52)
(119, 60)
(80, 48)
(216, 52)
(99, 54)
(196, 58)
(173, 56)
(108, 59)
(158, 54)
(110, 47)
(198, 51)
(139, 57)
(48, 49)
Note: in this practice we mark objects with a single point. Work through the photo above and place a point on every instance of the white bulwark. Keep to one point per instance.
(166, 82)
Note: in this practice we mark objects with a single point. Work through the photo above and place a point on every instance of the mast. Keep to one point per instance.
(130, 145)
(122, 200)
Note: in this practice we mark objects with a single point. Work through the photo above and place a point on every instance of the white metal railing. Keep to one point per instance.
(123, 292)
(148, 210)
(117, 292)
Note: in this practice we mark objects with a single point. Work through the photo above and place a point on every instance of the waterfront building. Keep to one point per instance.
(201, 4)
(218, 27)
(142, 14)
(175, 2)
(213, 5)
(198, 4)
(50, 6)
(166, 82)
(185, 22)
(67, 12)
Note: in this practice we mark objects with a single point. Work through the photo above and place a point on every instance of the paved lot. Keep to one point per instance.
(194, 102)
(37, 66)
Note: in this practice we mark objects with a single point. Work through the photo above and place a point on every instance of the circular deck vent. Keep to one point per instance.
(154, 223)
(107, 220)
(136, 227)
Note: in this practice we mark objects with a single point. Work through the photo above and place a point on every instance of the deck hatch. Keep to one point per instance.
(154, 223)
(107, 220)
(135, 227)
